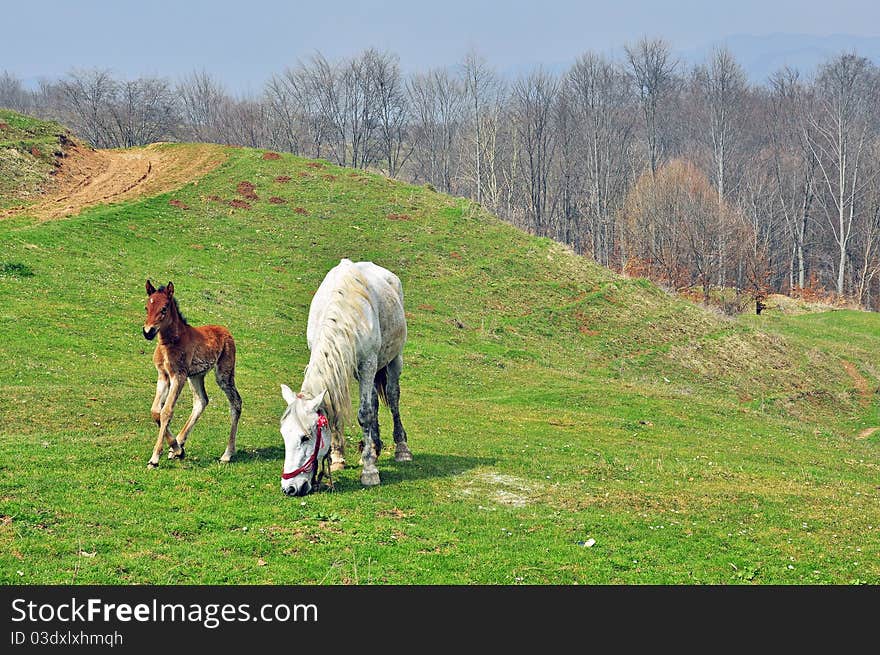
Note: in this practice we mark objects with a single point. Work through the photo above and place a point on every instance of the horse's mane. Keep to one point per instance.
(176, 306)
(334, 358)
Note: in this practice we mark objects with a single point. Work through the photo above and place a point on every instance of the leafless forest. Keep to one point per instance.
(689, 175)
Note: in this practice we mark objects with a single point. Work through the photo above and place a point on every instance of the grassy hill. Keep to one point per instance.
(29, 153)
(547, 400)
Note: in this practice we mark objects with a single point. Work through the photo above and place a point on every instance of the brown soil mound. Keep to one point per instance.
(246, 189)
(271, 155)
(275, 200)
(90, 177)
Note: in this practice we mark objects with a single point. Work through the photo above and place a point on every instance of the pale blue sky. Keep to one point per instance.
(245, 41)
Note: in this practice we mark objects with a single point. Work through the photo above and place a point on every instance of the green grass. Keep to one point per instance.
(547, 402)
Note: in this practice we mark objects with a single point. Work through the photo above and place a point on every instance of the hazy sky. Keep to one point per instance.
(245, 41)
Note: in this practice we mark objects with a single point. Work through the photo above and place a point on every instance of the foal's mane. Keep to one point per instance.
(183, 320)
(334, 358)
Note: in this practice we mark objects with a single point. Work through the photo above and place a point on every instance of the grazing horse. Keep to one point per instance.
(356, 328)
(187, 353)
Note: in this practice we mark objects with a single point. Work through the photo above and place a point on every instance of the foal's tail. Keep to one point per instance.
(379, 383)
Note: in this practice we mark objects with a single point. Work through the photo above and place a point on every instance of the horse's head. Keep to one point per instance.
(159, 309)
(306, 435)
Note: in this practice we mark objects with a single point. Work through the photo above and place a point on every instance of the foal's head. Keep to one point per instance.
(160, 309)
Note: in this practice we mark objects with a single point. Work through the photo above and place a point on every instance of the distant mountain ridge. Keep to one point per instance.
(761, 56)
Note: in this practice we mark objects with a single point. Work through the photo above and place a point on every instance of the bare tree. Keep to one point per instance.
(602, 104)
(243, 122)
(671, 225)
(326, 84)
(437, 102)
(838, 138)
(794, 166)
(143, 111)
(12, 94)
(87, 96)
(534, 97)
(653, 73)
(721, 87)
(392, 112)
(565, 212)
(479, 83)
(867, 238)
(201, 97)
(289, 115)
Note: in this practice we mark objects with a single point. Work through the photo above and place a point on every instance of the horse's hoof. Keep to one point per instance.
(370, 478)
(151, 466)
(402, 453)
(337, 466)
(177, 454)
(226, 458)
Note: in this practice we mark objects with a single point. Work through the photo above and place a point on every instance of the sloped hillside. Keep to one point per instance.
(31, 152)
(548, 402)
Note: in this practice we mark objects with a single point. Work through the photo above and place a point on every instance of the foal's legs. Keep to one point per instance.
(165, 400)
(392, 393)
(225, 375)
(200, 401)
(367, 419)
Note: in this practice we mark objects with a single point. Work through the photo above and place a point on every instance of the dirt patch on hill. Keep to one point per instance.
(90, 177)
(860, 382)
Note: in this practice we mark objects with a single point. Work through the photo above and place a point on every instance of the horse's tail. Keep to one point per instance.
(379, 384)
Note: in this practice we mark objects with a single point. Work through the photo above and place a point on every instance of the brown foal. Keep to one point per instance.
(187, 353)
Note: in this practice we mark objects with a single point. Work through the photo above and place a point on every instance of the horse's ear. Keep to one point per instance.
(316, 402)
(150, 288)
(169, 289)
(287, 394)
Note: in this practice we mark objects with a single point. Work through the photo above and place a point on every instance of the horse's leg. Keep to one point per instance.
(165, 416)
(392, 393)
(377, 439)
(375, 427)
(225, 375)
(200, 401)
(162, 386)
(337, 450)
(366, 375)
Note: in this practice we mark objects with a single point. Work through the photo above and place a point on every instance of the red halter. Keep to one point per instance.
(313, 460)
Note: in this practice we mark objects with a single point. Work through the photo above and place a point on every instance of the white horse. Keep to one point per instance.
(356, 328)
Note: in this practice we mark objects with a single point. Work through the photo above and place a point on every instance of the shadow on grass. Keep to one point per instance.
(424, 466)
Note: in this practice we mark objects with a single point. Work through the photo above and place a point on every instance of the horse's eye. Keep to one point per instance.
(304, 438)
(164, 309)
